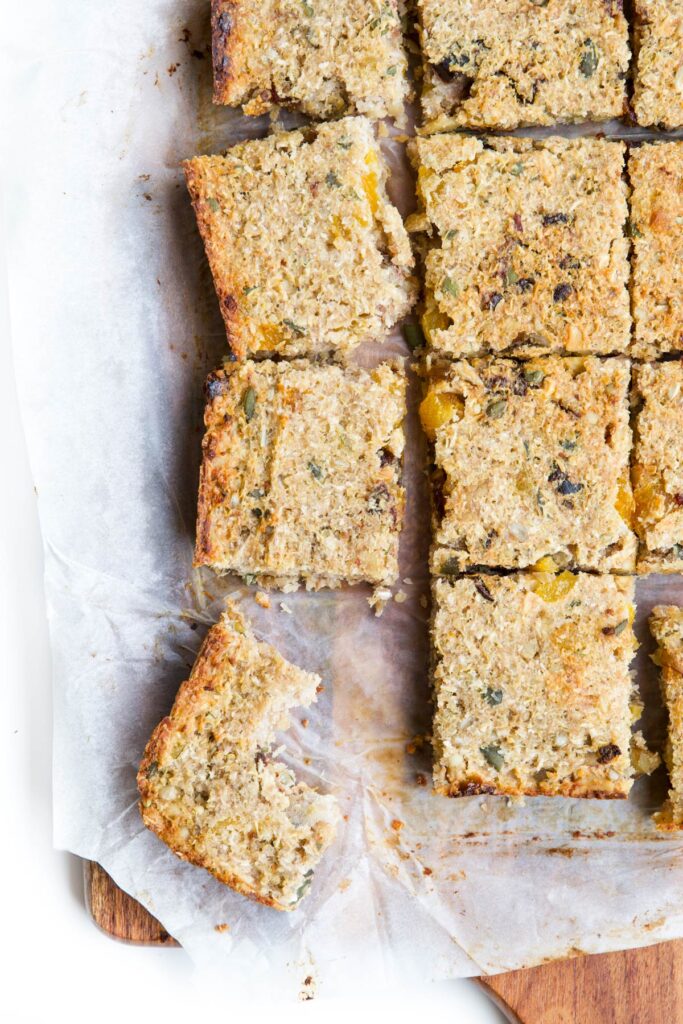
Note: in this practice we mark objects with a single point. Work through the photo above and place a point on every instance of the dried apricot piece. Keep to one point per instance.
(545, 564)
(624, 504)
(433, 319)
(270, 335)
(554, 588)
(370, 183)
(439, 408)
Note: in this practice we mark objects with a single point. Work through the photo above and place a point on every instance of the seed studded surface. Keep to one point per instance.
(531, 464)
(307, 254)
(658, 85)
(657, 471)
(527, 246)
(666, 625)
(507, 63)
(300, 480)
(656, 173)
(208, 786)
(532, 693)
(323, 57)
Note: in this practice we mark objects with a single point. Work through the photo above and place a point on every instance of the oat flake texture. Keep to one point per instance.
(111, 355)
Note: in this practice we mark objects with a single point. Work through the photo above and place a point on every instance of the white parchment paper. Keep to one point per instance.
(114, 327)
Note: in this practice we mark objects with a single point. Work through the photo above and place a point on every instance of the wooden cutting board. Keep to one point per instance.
(638, 986)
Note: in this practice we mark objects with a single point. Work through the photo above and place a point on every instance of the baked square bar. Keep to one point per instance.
(507, 63)
(209, 788)
(307, 254)
(531, 464)
(658, 85)
(300, 480)
(323, 57)
(532, 685)
(666, 626)
(657, 471)
(656, 173)
(528, 248)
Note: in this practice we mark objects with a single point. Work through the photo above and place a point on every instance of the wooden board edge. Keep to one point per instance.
(117, 914)
(624, 987)
(644, 984)
(497, 1000)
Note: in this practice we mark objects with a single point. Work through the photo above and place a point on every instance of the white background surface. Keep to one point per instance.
(56, 965)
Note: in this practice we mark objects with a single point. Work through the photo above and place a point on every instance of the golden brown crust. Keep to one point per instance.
(526, 251)
(307, 254)
(225, 35)
(506, 63)
(226, 299)
(657, 466)
(656, 173)
(534, 462)
(473, 787)
(658, 80)
(202, 548)
(189, 695)
(532, 686)
(666, 626)
(155, 821)
(304, 484)
(326, 58)
(207, 786)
